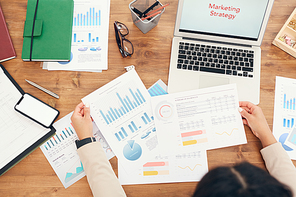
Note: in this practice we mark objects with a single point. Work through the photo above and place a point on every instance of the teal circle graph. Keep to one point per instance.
(132, 151)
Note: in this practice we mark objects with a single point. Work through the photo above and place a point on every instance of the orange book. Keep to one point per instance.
(7, 51)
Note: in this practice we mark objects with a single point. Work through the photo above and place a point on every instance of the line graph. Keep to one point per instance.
(229, 134)
(191, 169)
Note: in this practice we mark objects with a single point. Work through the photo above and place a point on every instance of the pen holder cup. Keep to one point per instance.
(142, 5)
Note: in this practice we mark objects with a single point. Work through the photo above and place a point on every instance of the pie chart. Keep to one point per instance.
(132, 151)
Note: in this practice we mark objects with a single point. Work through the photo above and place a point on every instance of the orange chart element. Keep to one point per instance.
(193, 137)
(156, 168)
(229, 134)
(165, 111)
(189, 167)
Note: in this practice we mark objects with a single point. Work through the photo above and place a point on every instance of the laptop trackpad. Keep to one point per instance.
(208, 81)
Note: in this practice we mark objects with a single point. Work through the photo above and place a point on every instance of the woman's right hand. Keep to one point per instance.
(255, 119)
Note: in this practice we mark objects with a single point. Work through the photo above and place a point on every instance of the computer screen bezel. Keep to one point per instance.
(225, 38)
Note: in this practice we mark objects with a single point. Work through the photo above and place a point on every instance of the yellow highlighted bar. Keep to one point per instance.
(152, 173)
(190, 142)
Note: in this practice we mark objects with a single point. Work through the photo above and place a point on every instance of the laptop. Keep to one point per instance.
(217, 42)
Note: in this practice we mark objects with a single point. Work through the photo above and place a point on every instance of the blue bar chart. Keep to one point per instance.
(128, 101)
(89, 18)
(58, 139)
(156, 90)
(289, 103)
(87, 37)
(133, 126)
(288, 123)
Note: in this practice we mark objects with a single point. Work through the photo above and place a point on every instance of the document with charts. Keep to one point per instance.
(203, 118)
(122, 111)
(89, 48)
(285, 114)
(61, 152)
(180, 167)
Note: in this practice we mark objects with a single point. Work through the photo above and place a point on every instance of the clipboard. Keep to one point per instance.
(32, 147)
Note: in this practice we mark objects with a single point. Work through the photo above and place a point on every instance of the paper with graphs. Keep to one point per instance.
(203, 118)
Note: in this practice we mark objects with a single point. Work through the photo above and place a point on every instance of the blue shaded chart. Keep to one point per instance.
(289, 103)
(288, 123)
(126, 101)
(282, 140)
(133, 125)
(132, 151)
(156, 90)
(54, 143)
(87, 18)
(70, 176)
(292, 138)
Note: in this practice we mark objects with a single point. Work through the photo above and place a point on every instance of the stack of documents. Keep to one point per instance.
(164, 138)
(157, 137)
(89, 50)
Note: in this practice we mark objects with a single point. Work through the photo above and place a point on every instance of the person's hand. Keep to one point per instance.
(82, 122)
(255, 119)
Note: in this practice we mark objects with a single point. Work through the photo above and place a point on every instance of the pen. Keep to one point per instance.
(151, 12)
(150, 16)
(43, 89)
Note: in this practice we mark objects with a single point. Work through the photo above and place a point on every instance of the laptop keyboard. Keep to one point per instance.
(215, 59)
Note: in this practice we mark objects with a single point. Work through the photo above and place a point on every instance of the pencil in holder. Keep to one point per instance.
(146, 13)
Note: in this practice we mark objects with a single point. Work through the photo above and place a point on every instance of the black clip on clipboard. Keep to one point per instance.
(35, 145)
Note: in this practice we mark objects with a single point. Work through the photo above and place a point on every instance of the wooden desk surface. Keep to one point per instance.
(34, 176)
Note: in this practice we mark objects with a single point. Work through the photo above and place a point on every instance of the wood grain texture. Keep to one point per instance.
(34, 176)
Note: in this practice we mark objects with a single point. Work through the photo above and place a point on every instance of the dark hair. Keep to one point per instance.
(240, 180)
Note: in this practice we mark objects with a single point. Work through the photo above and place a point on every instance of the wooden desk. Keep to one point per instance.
(34, 176)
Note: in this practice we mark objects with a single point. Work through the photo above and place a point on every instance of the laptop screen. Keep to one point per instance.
(226, 18)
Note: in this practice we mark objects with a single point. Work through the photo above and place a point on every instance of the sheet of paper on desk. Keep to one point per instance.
(180, 167)
(122, 111)
(89, 49)
(60, 151)
(285, 114)
(204, 118)
(17, 131)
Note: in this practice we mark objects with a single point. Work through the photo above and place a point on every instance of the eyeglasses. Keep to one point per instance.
(125, 46)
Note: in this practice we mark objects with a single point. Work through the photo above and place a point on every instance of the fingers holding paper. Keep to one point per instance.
(253, 117)
(82, 122)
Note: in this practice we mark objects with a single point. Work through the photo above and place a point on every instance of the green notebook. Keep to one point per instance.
(52, 31)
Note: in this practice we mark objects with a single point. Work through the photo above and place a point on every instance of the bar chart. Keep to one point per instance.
(289, 103)
(134, 125)
(127, 102)
(288, 122)
(156, 90)
(59, 138)
(87, 18)
(85, 37)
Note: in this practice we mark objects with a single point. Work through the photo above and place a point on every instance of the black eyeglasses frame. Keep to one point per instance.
(120, 38)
